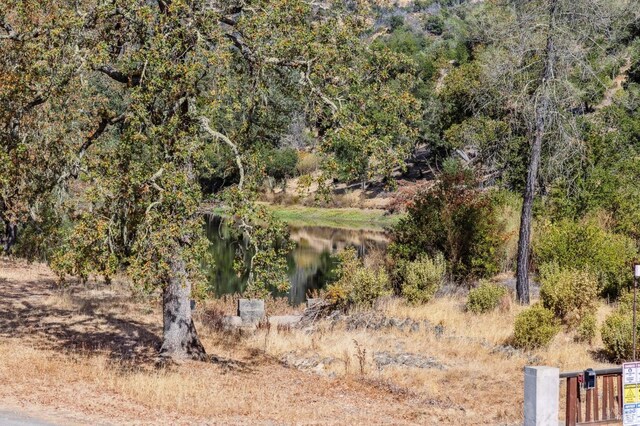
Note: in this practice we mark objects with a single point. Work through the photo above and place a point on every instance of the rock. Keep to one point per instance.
(507, 350)
(251, 310)
(314, 363)
(232, 321)
(384, 359)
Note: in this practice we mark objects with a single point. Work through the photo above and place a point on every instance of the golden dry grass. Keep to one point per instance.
(86, 355)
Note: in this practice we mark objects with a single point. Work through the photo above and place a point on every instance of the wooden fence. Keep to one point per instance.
(601, 405)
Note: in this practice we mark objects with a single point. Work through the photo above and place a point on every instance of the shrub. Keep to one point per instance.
(422, 278)
(617, 336)
(396, 22)
(281, 163)
(587, 246)
(485, 298)
(357, 284)
(617, 331)
(586, 330)
(434, 24)
(455, 219)
(570, 294)
(534, 327)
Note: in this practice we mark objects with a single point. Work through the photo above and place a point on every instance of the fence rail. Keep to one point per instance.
(599, 406)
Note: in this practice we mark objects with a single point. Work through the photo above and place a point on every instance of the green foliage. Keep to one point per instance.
(456, 219)
(421, 5)
(422, 278)
(569, 293)
(434, 24)
(586, 330)
(84, 250)
(396, 22)
(461, 86)
(535, 327)
(379, 118)
(617, 335)
(607, 184)
(264, 260)
(486, 297)
(281, 163)
(590, 247)
(617, 330)
(357, 285)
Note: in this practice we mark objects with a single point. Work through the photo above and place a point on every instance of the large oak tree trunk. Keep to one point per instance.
(180, 339)
(542, 111)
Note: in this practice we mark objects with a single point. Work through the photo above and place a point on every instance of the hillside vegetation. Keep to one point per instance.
(496, 143)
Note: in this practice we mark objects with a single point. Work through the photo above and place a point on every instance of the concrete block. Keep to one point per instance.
(541, 396)
(251, 310)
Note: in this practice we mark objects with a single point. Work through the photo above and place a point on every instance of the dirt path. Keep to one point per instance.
(86, 357)
(12, 418)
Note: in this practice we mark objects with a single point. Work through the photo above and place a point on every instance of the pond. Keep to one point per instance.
(312, 262)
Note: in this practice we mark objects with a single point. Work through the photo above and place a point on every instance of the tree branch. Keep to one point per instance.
(217, 135)
(119, 76)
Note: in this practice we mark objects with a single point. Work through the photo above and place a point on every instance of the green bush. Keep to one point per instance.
(535, 327)
(570, 294)
(485, 298)
(281, 163)
(587, 246)
(617, 336)
(617, 330)
(357, 284)
(396, 22)
(586, 330)
(423, 277)
(434, 24)
(455, 219)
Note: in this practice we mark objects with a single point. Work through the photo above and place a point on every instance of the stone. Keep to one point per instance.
(251, 310)
(231, 322)
(541, 396)
(384, 359)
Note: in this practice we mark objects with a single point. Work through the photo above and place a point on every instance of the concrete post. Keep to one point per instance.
(541, 396)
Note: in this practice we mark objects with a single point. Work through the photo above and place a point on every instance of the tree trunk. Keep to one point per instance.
(180, 339)
(10, 236)
(542, 114)
(522, 274)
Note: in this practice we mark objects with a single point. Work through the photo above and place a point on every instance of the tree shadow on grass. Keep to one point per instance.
(26, 312)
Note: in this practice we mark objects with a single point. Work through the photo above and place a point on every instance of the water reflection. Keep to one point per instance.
(311, 263)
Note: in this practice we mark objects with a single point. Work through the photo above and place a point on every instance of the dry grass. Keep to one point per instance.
(479, 385)
(99, 342)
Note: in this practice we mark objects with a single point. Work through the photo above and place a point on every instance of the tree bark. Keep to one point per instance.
(10, 236)
(180, 339)
(542, 114)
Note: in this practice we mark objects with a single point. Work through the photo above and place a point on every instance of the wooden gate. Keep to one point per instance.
(599, 406)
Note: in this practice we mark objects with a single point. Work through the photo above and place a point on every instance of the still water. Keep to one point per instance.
(311, 263)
